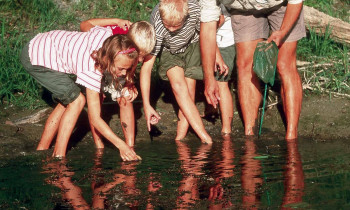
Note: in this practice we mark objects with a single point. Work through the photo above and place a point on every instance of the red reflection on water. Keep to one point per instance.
(250, 177)
(192, 167)
(293, 175)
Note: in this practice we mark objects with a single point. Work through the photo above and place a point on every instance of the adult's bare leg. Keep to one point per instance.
(67, 124)
(291, 89)
(182, 124)
(187, 106)
(51, 127)
(248, 85)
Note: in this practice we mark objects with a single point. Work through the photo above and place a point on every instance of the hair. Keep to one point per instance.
(143, 35)
(173, 11)
(105, 56)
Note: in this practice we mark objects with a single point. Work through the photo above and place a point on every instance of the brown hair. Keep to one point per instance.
(105, 56)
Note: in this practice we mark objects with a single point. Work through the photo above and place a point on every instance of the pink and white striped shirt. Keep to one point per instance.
(69, 52)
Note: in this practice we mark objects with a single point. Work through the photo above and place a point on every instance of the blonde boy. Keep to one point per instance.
(177, 25)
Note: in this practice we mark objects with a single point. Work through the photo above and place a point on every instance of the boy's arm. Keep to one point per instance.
(88, 24)
(151, 115)
(94, 112)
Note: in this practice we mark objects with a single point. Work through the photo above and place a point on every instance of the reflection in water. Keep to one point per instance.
(293, 175)
(101, 189)
(192, 167)
(250, 177)
(61, 177)
(205, 182)
(153, 187)
(224, 170)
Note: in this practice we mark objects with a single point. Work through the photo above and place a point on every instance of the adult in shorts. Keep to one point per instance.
(254, 21)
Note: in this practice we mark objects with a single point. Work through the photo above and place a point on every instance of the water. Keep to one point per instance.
(233, 173)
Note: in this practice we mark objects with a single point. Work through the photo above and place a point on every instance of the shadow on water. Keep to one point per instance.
(233, 173)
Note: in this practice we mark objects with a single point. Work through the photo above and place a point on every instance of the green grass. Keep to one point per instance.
(328, 71)
(20, 20)
(23, 19)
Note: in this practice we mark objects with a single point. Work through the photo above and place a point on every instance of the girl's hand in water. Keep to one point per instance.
(128, 154)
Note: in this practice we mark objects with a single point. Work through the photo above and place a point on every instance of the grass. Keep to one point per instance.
(328, 68)
(22, 19)
(334, 8)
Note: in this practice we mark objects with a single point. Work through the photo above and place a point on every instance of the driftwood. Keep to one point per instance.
(33, 118)
(319, 21)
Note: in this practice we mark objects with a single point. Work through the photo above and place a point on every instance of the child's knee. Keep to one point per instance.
(80, 101)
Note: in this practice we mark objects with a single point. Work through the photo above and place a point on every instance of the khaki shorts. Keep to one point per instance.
(189, 61)
(63, 88)
(249, 26)
(228, 54)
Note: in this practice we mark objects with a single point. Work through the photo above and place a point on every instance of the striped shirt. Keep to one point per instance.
(178, 41)
(69, 52)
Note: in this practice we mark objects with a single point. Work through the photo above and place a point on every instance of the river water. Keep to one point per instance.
(233, 173)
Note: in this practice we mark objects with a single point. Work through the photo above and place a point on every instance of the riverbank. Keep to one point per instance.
(322, 118)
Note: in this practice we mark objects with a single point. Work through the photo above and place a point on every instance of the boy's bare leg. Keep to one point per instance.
(226, 107)
(67, 124)
(95, 134)
(248, 85)
(182, 124)
(127, 121)
(187, 106)
(291, 89)
(51, 127)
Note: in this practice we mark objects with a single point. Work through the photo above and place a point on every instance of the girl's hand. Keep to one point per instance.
(125, 24)
(128, 154)
(132, 93)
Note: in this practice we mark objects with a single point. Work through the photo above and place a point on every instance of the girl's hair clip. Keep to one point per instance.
(130, 50)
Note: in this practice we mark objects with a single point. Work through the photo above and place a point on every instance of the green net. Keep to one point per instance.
(264, 66)
(265, 60)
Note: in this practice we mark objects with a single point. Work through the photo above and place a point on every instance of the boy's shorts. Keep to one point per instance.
(109, 86)
(62, 87)
(249, 26)
(228, 54)
(190, 61)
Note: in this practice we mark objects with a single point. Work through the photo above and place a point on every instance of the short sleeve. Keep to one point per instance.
(116, 29)
(210, 11)
(294, 1)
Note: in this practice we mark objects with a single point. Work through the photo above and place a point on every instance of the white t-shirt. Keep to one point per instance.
(224, 35)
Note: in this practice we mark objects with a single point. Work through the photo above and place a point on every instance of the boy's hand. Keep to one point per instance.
(152, 117)
(220, 65)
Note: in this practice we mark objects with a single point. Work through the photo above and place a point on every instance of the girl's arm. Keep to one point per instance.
(88, 24)
(94, 111)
